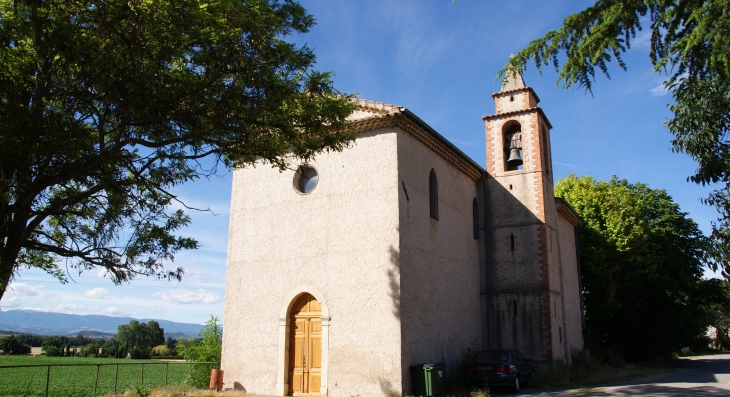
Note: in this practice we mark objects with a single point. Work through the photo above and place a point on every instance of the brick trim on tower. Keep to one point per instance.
(516, 112)
(546, 327)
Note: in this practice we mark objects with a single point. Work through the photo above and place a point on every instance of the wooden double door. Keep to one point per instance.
(305, 347)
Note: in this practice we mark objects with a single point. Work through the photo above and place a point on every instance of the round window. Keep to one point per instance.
(305, 179)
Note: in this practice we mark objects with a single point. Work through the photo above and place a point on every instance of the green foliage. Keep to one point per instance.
(142, 391)
(52, 346)
(30, 339)
(52, 351)
(161, 351)
(90, 350)
(107, 105)
(206, 348)
(689, 43)
(641, 266)
(11, 345)
(712, 305)
(139, 338)
(701, 127)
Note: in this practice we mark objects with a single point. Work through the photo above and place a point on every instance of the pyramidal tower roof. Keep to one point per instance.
(512, 81)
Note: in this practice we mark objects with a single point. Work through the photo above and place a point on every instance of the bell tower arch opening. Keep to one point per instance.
(512, 141)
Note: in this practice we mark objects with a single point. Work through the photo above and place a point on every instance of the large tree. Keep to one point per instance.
(690, 44)
(105, 105)
(712, 303)
(139, 338)
(641, 264)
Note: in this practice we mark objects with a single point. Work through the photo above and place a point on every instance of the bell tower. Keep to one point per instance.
(524, 270)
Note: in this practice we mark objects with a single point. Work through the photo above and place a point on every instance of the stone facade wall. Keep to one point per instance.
(338, 240)
(571, 284)
(440, 265)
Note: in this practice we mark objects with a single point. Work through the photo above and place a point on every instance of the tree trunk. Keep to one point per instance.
(7, 265)
(12, 237)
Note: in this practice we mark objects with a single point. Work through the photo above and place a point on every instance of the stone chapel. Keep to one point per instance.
(397, 251)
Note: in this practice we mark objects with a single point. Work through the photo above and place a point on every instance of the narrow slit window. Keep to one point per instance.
(545, 146)
(560, 333)
(475, 216)
(514, 306)
(433, 194)
(511, 242)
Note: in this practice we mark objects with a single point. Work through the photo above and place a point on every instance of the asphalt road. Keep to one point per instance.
(703, 376)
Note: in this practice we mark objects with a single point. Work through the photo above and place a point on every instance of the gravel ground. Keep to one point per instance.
(701, 376)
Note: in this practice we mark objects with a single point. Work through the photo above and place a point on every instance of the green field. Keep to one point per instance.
(79, 380)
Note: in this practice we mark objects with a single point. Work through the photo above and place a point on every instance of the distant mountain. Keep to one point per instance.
(60, 324)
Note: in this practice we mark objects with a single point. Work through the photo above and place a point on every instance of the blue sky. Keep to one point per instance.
(439, 60)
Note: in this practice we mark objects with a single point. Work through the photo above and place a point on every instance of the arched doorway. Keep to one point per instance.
(305, 347)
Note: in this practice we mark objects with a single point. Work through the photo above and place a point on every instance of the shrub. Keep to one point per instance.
(700, 344)
(52, 351)
(161, 351)
(142, 391)
(207, 348)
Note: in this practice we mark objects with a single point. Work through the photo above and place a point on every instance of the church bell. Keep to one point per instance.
(514, 159)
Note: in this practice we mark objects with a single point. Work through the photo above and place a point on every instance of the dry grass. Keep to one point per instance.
(183, 391)
(179, 391)
(587, 372)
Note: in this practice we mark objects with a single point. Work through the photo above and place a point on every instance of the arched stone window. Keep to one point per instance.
(433, 194)
(475, 217)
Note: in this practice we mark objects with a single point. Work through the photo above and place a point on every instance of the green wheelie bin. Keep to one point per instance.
(427, 379)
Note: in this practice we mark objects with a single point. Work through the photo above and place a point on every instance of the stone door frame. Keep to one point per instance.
(282, 383)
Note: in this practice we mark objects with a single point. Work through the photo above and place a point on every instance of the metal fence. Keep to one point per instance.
(64, 380)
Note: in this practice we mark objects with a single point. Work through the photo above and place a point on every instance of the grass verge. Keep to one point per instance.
(75, 380)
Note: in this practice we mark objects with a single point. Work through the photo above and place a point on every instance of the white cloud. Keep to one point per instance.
(659, 90)
(100, 293)
(10, 303)
(642, 40)
(115, 311)
(157, 309)
(25, 289)
(185, 296)
(69, 308)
